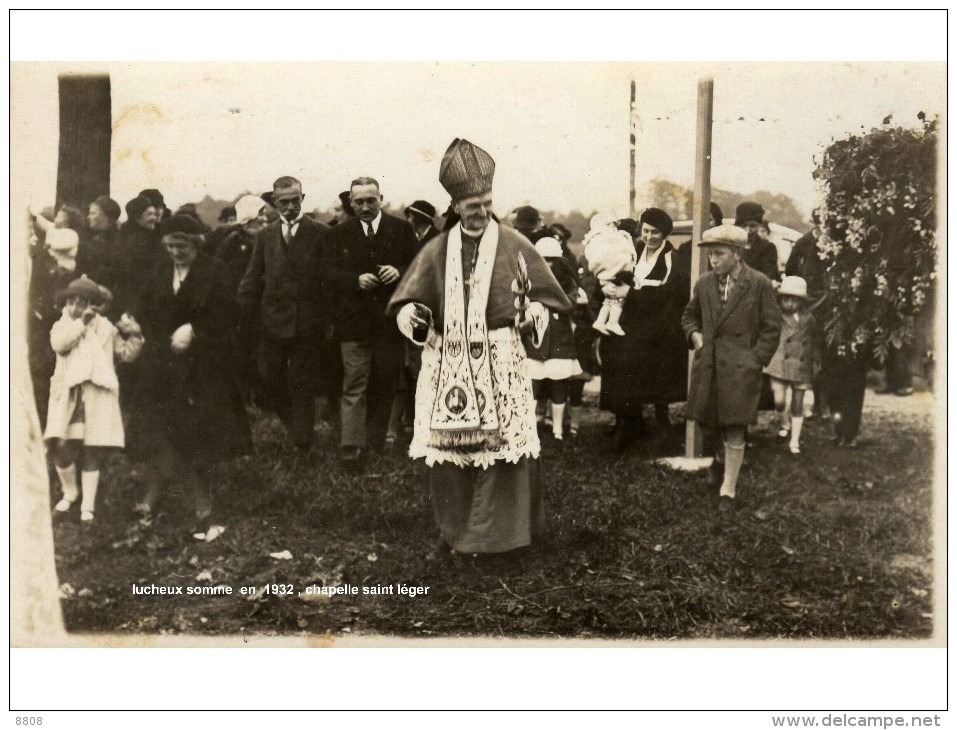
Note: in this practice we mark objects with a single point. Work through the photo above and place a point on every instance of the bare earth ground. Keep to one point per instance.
(833, 544)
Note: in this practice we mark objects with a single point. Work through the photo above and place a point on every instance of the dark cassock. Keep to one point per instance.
(475, 412)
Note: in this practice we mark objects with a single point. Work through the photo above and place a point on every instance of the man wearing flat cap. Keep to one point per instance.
(421, 214)
(733, 325)
(463, 300)
(761, 255)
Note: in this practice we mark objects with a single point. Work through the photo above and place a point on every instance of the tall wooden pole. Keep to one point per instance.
(83, 172)
(632, 128)
(694, 443)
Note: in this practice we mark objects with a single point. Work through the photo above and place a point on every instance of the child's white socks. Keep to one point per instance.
(91, 482)
(68, 483)
(603, 315)
(612, 326)
(796, 423)
(558, 417)
(733, 458)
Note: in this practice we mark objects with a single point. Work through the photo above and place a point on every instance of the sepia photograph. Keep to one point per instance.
(555, 353)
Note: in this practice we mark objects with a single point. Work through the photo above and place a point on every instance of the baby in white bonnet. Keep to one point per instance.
(611, 257)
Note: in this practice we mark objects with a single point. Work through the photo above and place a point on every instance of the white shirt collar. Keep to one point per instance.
(294, 223)
(375, 224)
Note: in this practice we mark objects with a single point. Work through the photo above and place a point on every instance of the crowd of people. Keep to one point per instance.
(475, 341)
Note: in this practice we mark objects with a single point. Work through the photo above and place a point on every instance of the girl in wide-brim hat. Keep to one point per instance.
(797, 360)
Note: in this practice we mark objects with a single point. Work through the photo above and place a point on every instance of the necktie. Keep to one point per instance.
(725, 282)
(287, 232)
(370, 233)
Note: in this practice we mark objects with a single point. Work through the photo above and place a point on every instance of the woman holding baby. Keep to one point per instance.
(649, 362)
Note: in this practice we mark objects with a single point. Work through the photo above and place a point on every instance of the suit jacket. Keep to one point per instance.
(804, 262)
(740, 338)
(283, 281)
(360, 315)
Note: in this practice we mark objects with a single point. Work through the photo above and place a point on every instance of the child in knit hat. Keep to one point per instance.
(84, 412)
(611, 257)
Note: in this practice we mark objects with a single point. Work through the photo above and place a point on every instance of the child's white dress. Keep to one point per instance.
(84, 391)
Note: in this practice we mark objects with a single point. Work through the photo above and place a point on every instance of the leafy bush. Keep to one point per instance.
(877, 240)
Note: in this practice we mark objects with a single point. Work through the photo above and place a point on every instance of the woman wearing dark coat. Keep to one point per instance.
(138, 250)
(649, 364)
(96, 255)
(188, 418)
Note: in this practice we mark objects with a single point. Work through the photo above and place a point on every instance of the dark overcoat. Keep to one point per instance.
(798, 357)
(358, 314)
(235, 250)
(649, 364)
(96, 257)
(138, 253)
(763, 257)
(283, 282)
(584, 315)
(805, 262)
(740, 338)
(558, 340)
(191, 398)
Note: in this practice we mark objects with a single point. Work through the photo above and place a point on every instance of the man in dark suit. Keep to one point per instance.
(282, 280)
(366, 256)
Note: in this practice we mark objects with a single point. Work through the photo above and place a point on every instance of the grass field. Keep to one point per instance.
(834, 544)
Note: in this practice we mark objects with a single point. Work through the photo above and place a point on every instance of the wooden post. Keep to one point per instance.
(632, 141)
(83, 171)
(694, 443)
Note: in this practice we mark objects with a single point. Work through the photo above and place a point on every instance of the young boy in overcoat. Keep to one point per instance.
(733, 324)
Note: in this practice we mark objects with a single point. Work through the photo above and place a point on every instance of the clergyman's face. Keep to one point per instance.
(475, 212)
(366, 202)
(288, 201)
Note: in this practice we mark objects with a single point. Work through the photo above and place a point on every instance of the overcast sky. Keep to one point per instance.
(558, 131)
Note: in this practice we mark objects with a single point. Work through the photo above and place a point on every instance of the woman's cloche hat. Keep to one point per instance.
(548, 247)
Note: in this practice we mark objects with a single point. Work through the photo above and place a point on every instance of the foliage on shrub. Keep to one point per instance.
(877, 240)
